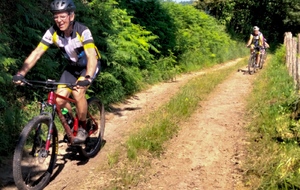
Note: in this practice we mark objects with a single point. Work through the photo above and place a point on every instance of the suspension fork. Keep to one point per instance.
(51, 127)
(38, 130)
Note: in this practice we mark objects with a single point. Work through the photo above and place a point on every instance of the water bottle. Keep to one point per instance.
(67, 116)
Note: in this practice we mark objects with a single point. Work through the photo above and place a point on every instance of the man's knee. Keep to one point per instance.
(79, 95)
(63, 92)
(60, 102)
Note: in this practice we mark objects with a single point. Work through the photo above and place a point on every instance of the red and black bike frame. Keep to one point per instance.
(56, 109)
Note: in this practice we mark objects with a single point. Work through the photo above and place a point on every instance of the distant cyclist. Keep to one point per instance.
(256, 42)
(265, 46)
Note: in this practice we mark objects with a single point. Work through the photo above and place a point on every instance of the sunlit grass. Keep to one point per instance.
(274, 155)
(113, 158)
(161, 125)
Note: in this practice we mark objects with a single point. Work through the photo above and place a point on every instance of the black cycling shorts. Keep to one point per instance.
(72, 73)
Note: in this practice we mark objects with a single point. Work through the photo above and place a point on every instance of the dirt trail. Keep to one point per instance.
(210, 141)
(206, 153)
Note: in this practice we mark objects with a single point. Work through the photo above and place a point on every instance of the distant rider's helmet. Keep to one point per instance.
(255, 28)
(58, 6)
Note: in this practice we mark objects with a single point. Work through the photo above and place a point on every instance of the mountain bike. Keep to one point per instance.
(36, 152)
(252, 67)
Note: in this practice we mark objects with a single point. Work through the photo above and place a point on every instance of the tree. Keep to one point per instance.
(221, 9)
(274, 17)
(292, 20)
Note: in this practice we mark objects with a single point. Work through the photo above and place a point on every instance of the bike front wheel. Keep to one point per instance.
(32, 163)
(251, 64)
(95, 127)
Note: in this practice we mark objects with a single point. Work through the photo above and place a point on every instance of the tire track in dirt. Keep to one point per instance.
(207, 152)
(72, 172)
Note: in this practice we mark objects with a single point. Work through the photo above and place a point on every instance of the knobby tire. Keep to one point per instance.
(251, 64)
(94, 142)
(263, 59)
(29, 150)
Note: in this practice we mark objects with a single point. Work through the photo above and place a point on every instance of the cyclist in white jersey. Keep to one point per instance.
(76, 43)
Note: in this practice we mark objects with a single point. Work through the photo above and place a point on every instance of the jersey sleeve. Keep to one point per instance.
(87, 39)
(261, 40)
(251, 38)
(47, 39)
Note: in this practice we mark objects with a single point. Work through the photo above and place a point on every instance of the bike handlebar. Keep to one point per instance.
(48, 84)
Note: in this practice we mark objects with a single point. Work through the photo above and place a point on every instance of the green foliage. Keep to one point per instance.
(292, 19)
(200, 40)
(152, 15)
(273, 158)
(111, 90)
(182, 29)
(19, 33)
(273, 17)
(221, 9)
(168, 67)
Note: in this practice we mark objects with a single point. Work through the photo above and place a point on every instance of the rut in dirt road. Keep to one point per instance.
(206, 153)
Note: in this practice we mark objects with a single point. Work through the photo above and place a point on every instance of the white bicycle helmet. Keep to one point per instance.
(255, 28)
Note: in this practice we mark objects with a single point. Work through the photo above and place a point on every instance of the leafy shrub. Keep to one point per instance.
(152, 15)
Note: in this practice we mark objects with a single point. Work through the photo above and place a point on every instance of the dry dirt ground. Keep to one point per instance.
(208, 151)
(206, 154)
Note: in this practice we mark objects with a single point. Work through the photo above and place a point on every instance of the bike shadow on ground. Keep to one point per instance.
(245, 71)
(121, 111)
(71, 154)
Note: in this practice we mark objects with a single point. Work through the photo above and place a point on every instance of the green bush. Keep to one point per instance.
(152, 15)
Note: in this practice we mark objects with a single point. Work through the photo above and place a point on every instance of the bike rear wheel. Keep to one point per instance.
(32, 164)
(95, 117)
(263, 59)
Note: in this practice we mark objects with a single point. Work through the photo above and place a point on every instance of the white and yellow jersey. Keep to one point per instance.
(256, 40)
(72, 47)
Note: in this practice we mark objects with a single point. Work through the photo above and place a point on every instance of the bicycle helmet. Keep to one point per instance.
(255, 28)
(62, 5)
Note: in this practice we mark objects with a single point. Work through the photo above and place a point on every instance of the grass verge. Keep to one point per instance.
(273, 160)
(160, 126)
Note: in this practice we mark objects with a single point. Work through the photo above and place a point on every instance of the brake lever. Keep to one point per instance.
(26, 82)
(74, 87)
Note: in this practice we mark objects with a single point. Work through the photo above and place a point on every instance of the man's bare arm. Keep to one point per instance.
(92, 61)
(31, 60)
